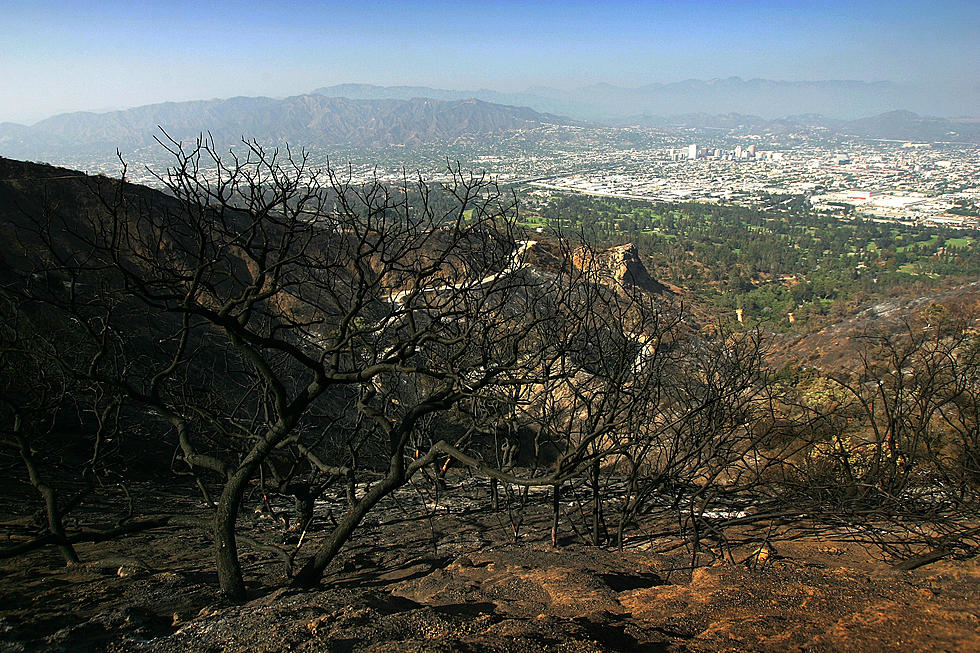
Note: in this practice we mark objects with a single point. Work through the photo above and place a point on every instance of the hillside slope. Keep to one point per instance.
(837, 345)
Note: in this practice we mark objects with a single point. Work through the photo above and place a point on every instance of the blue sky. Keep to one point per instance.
(63, 56)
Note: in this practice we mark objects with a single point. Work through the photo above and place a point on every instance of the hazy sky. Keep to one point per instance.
(64, 56)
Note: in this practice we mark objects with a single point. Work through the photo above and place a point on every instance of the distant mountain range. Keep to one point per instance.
(865, 109)
(311, 120)
(892, 125)
(836, 99)
(906, 125)
(357, 115)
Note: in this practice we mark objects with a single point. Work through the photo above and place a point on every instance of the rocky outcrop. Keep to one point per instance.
(621, 265)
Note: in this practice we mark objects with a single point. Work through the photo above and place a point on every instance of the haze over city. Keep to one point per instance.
(59, 56)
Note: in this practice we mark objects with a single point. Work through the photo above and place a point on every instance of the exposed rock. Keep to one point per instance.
(622, 264)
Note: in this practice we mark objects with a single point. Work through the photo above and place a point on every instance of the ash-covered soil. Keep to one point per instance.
(456, 579)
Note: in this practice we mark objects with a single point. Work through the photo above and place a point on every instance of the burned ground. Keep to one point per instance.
(453, 577)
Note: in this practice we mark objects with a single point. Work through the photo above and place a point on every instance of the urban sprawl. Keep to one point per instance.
(907, 182)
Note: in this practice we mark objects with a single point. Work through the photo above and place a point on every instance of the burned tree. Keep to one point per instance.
(267, 310)
(291, 330)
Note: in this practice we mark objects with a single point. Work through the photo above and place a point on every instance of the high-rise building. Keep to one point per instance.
(738, 152)
(692, 151)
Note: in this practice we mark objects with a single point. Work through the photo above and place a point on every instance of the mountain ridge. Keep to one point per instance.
(837, 99)
(317, 120)
(313, 120)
